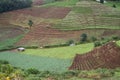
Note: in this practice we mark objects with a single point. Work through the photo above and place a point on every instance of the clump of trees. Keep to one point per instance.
(8, 5)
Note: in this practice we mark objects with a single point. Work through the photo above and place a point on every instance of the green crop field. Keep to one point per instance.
(41, 63)
(61, 52)
(9, 43)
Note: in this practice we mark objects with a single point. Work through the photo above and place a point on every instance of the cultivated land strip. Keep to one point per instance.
(91, 15)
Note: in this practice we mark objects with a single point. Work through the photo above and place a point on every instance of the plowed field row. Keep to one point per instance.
(106, 56)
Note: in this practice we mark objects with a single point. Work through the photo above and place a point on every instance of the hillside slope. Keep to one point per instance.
(106, 56)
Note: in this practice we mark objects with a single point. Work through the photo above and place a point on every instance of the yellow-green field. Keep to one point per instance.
(61, 52)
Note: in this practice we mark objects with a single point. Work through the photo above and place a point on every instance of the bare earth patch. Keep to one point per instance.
(44, 12)
(38, 2)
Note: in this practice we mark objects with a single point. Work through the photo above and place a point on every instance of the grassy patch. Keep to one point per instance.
(9, 43)
(110, 3)
(114, 16)
(82, 10)
(48, 1)
(41, 63)
(64, 3)
(118, 42)
(68, 27)
(61, 52)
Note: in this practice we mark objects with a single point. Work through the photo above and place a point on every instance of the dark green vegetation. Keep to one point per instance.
(8, 5)
(9, 72)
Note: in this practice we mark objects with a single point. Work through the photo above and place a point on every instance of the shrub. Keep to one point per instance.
(97, 44)
(114, 6)
(69, 74)
(115, 38)
(4, 62)
(83, 37)
(70, 42)
(45, 74)
(32, 71)
(57, 45)
(7, 69)
(93, 38)
(31, 47)
(102, 38)
(105, 72)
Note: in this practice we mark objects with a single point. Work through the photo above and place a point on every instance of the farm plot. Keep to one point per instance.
(9, 35)
(43, 35)
(38, 15)
(90, 15)
(106, 56)
(38, 2)
(61, 52)
(44, 12)
(9, 32)
(41, 63)
(41, 2)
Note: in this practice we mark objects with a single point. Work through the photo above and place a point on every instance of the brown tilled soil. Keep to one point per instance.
(44, 12)
(38, 2)
(106, 56)
(43, 34)
(9, 32)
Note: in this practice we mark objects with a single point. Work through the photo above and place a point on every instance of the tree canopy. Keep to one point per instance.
(8, 5)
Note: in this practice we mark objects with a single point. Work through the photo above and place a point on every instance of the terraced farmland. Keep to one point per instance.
(106, 56)
(72, 15)
(59, 12)
(90, 15)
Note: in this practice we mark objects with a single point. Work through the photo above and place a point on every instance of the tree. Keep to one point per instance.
(96, 44)
(83, 37)
(30, 23)
(102, 1)
(93, 38)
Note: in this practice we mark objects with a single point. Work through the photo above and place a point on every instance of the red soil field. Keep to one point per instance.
(106, 56)
(44, 12)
